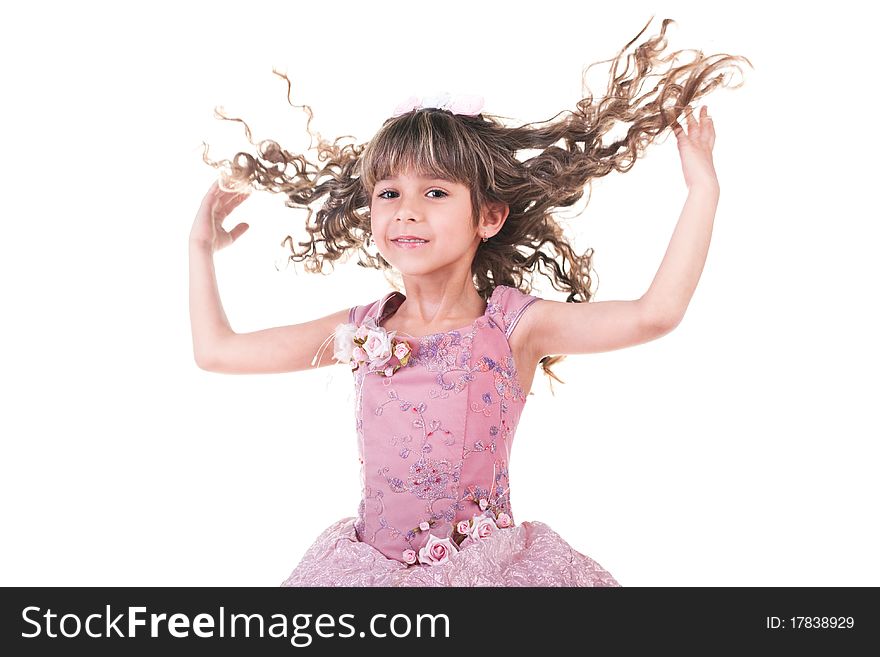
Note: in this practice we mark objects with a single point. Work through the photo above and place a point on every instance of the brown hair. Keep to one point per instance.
(480, 152)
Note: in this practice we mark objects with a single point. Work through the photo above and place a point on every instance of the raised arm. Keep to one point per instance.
(216, 346)
(556, 328)
(676, 280)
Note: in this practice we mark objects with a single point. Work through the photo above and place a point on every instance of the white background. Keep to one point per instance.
(740, 449)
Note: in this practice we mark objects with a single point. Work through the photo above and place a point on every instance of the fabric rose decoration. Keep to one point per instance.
(482, 528)
(437, 551)
(377, 344)
(344, 344)
(370, 345)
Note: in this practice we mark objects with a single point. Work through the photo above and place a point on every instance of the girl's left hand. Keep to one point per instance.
(695, 149)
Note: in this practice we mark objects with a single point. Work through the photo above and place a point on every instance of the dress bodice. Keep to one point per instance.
(435, 437)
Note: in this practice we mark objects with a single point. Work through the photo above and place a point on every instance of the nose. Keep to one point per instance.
(406, 214)
(408, 208)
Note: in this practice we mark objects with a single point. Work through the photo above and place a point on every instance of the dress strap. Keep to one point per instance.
(506, 306)
(377, 310)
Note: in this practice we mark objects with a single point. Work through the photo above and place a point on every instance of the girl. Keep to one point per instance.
(442, 370)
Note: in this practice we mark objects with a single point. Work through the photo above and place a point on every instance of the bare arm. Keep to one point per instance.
(673, 286)
(678, 275)
(208, 320)
(583, 328)
(565, 328)
(216, 347)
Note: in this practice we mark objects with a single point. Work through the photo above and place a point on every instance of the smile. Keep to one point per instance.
(409, 243)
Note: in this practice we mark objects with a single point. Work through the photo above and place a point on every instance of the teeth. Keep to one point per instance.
(411, 241)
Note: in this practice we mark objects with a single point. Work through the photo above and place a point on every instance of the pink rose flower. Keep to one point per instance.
(409, 556)
(503, 520)
(424, 526)
(361, 332)
(464, 527)
(437, 551)
(389, 371)
(378, 347)
(484, 503)
(401, 350)
(483, 528)
(359, 354)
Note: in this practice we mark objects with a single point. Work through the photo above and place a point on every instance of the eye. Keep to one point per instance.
(388, 191)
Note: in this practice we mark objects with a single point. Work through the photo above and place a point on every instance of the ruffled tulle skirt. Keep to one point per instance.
(528, 554)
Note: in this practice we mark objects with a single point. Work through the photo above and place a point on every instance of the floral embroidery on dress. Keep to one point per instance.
(428, 479)
(404, 451)
(506, 383)
(438, 352)
(493, 516)
(429, 451)
(447, 353)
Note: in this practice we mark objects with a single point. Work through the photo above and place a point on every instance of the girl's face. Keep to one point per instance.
(433, 209)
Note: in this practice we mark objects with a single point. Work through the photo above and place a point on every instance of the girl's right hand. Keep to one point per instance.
(216, 206)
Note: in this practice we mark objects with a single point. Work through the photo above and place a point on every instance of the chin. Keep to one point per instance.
(410, 269)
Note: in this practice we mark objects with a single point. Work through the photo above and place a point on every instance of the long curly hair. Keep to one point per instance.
(481, 152)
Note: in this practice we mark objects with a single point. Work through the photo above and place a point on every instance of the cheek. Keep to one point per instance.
(377, 235)
(377, 220)
(375, 226)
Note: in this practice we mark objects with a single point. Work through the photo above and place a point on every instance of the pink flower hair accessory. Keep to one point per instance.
(466, 104)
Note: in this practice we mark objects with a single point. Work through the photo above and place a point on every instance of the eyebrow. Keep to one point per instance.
(417, 177)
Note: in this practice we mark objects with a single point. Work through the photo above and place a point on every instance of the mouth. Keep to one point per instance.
(409, 243)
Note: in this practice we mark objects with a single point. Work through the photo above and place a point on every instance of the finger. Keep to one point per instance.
(231, 191)
(238, 231)
(225, 195)
(234, 196)
(704, 117)
(691, 121)
(215, 188)
(708, 126)
(233, 202)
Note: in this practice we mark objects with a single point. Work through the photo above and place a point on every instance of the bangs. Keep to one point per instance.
(425, 143)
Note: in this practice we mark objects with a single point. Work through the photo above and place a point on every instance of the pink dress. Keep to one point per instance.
(435, 440)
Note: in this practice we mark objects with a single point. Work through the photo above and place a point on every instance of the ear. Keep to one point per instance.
(494, 215)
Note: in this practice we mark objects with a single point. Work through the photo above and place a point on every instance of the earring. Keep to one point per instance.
(485, 239)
